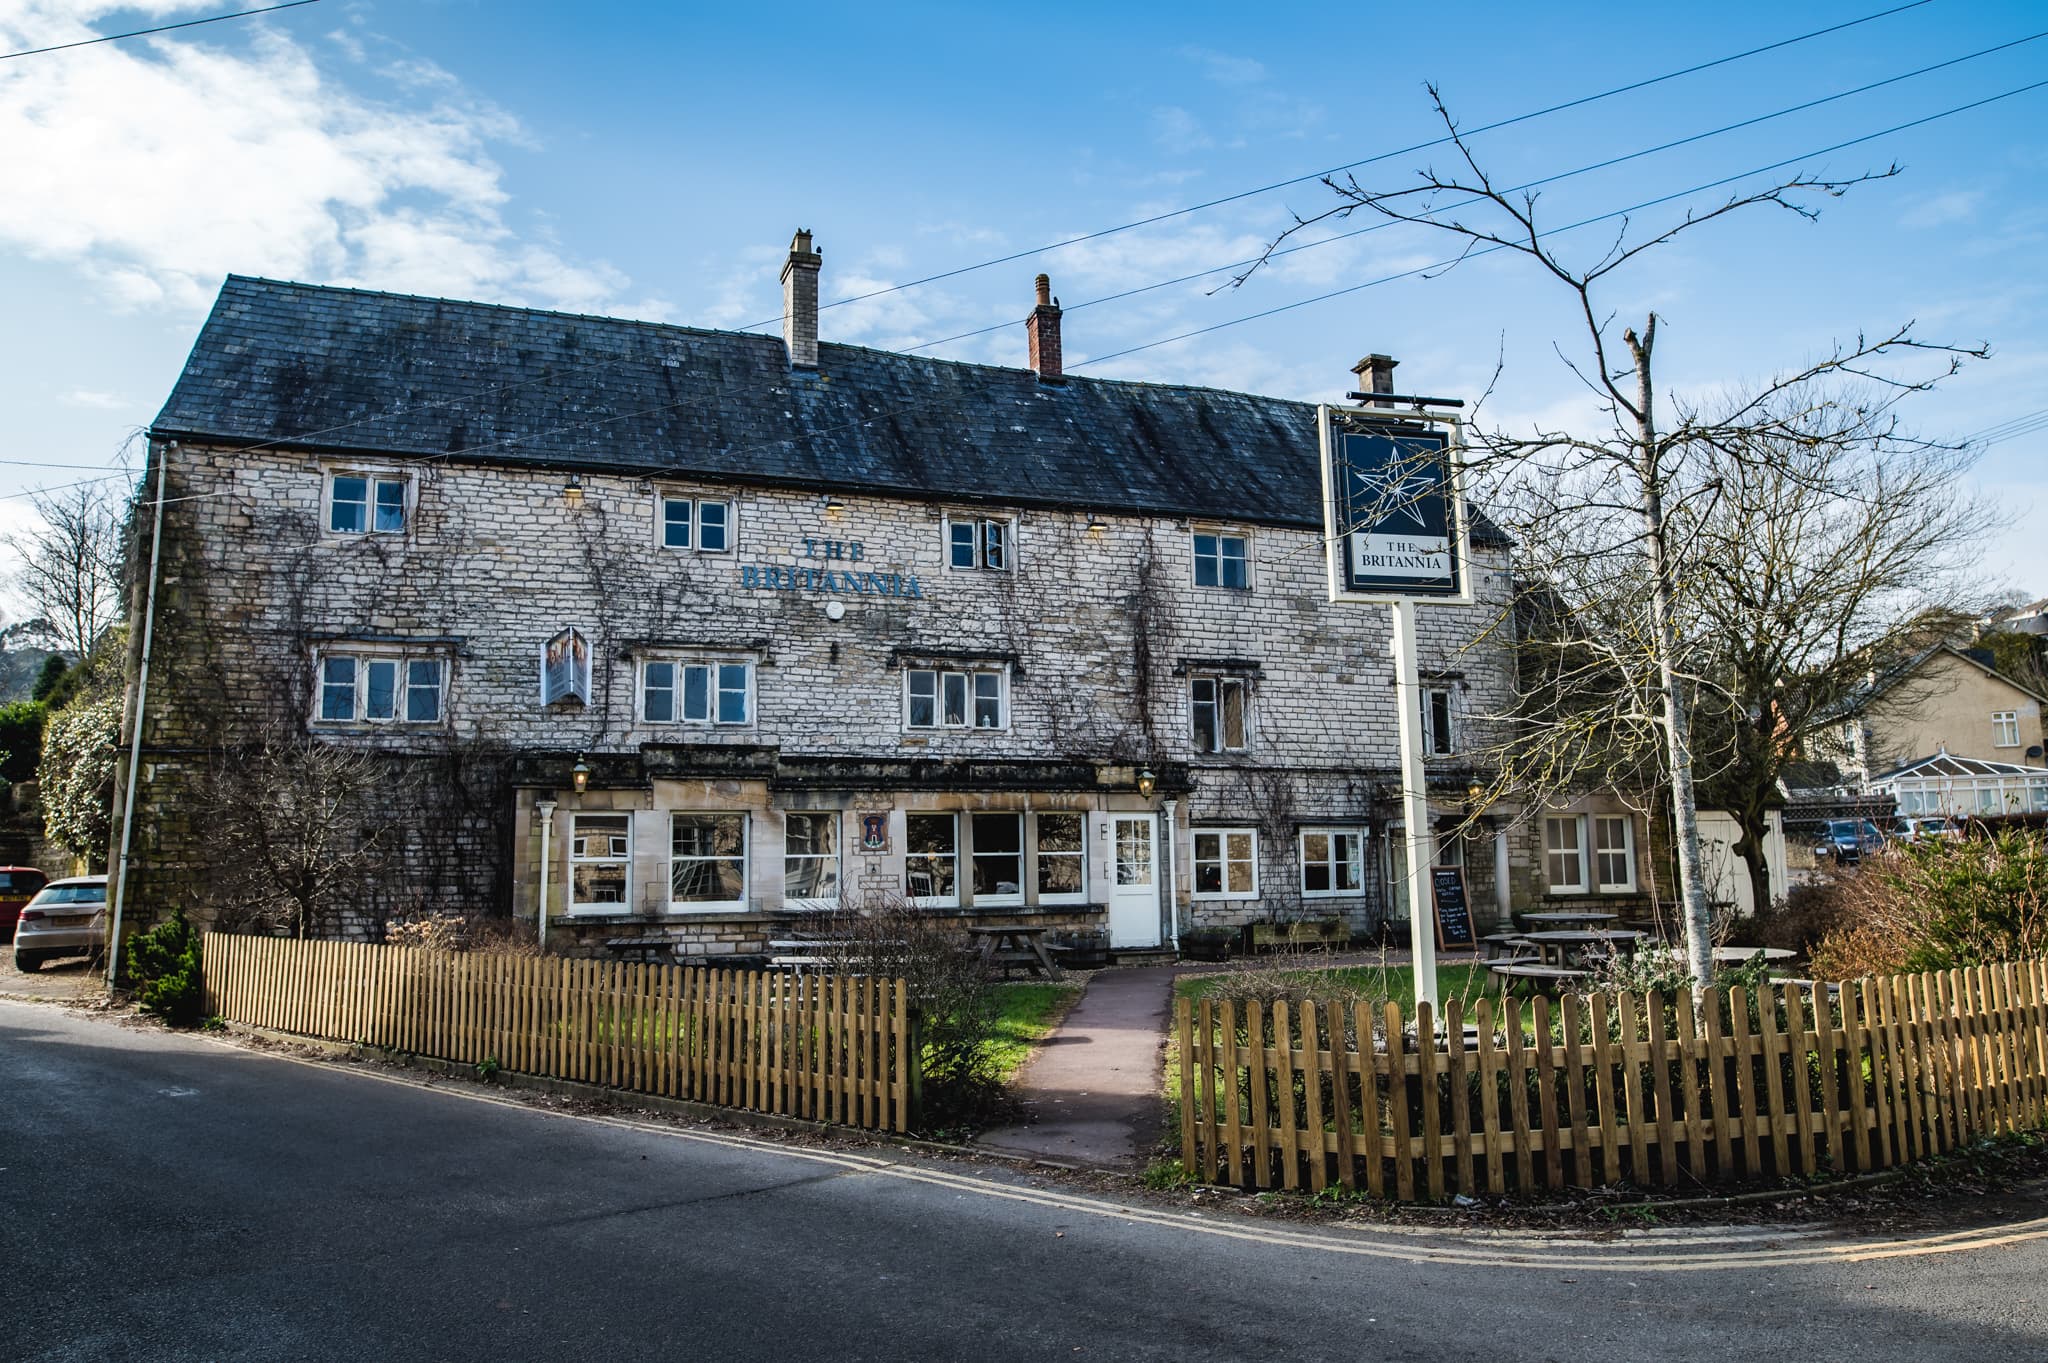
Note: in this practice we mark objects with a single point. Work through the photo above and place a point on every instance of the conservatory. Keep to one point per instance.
(1967, 786)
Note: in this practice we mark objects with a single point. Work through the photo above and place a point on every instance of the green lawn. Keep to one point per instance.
(1025, 1013)
(1466, 983)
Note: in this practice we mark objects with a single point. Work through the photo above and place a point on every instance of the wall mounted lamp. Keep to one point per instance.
(1096, 525)
(1147, 782)
(573, 489)
(579, 776)
(830, 505)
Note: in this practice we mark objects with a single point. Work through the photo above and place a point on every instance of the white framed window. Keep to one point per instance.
(600, 863)
(1332, 862)
(996, 858)
(1222, 560)
(379, 688)
(810, 859)
(931, 860)
(1226, 863)
(1439, 732)
(1564, 853)
(701, 525)
(2005, 728)
(1060, 856)
(707, 866)
(1614, 851)
(367, 503)
(716, 692)
(935, 698)
(1216, 713)
(987, 543)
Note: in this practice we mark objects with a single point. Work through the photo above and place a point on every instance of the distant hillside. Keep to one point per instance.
(18, 670)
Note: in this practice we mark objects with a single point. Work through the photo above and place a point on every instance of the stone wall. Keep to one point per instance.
(1097, 630)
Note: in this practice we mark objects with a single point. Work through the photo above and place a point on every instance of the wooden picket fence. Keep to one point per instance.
(828, 1048)
(1794, 1079)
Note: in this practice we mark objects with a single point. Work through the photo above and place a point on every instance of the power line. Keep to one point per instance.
(1285, 307)
(1352, 165)
(160, 28)
(593, 366)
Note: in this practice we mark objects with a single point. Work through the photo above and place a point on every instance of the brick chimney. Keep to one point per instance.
(1376, 375)
(800, 301)
(1042, 328)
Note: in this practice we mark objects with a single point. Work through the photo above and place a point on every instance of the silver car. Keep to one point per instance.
(66, 918)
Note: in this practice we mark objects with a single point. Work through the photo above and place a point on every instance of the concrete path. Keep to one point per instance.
(1093, 1090)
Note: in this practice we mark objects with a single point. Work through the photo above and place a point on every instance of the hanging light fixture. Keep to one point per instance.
(579, 776)
(1147, 782)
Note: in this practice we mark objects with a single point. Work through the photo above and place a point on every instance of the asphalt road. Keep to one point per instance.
(167, 1198)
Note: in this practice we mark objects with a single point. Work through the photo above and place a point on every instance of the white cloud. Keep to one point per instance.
(87, 397)
(158, 166)
(1942, 209)
(1225, 69)
(1179, 131)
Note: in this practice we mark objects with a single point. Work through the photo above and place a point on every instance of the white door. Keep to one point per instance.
(1134, 880)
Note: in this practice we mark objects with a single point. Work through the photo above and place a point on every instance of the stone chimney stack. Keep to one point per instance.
(1376, 375)
(800, 301)
(1042, 328)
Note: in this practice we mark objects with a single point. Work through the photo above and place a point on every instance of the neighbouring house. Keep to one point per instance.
(1944, 699)
(691, 630)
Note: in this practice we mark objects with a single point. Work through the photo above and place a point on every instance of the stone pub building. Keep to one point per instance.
(699, 629)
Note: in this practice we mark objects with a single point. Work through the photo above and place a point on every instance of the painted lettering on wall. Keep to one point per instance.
(768, 577)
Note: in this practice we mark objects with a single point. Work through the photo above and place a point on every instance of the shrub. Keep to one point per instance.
(21, 739)
(51, 676)
(163, 969)
(1940, 904)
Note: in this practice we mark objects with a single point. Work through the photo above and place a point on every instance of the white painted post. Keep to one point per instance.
(1415, 804)
(545, 810)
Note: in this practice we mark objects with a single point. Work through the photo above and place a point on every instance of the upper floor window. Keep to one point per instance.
(674, 691)
(366, 503)
(1222, 560)
(1564, 853)
(2005, 728)
(702, 524)
(1217, 710)
(1439, 735)
(983, 542)
(939, 699)
(380, 688)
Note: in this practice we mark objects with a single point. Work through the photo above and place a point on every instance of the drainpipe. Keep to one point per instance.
(156, 540)
(546, 810)
(1172, 889)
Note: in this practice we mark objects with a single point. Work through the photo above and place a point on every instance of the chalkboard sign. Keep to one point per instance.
(1453, 915)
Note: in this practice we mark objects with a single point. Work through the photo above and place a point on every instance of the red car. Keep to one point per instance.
(18, 885)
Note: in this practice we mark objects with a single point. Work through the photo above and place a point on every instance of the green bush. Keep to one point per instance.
(1941, 904)
(50, 678)
(21, 739)
(164, 971)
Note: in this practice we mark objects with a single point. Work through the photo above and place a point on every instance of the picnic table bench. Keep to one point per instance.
(1013, 945)
(651, 948)
(1533, 971)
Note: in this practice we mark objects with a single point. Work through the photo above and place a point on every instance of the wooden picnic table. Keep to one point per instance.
(1564, 947)
(1514, 972)
(1016, 944)
(1568, 918)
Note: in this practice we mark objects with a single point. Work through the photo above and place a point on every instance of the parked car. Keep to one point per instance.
(1844, 841)
(1924, 826)
(66, 918)
(18, 885)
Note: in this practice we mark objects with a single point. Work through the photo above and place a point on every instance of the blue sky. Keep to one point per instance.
(651, 160)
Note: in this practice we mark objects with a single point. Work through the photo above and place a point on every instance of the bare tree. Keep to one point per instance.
(297, 829)
(1606, 515)
(70, 565)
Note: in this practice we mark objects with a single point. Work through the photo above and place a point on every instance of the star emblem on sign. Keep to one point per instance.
(1392, 495)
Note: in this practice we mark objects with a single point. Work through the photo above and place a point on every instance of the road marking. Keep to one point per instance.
(1636, 1252)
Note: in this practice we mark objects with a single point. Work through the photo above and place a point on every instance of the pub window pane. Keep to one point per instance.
(714, 529)
(961, 540)
(697, 694)
(348, 506)
(390, 504)
(732, 693)
(380, 693)
(707, 858)
(338, 688)
(998, 855)
(600, 853)
(924, 700)
(995, 544)
(988, 700)
(423, 691)
(1060, 857)
(810, 860)
(658, 693)
(954, 689)
(675, 522)
(931, 857)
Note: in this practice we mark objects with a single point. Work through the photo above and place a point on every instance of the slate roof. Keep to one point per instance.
(347, 370)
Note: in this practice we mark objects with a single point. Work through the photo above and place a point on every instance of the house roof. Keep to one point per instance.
(1914, 663)
(352, 371)
(1947, 765)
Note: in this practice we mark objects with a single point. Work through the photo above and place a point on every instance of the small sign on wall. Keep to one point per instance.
(874, 832)
(565, 668)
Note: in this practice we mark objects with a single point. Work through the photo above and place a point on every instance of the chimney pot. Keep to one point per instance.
(800, 301)
(1376, 375)
(1042, 332)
